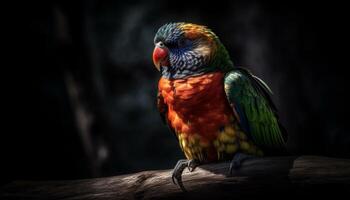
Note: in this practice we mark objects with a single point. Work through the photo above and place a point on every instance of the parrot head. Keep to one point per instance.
(186, 49)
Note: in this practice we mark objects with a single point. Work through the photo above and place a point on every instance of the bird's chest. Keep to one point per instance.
(195, 101)
(187, 95)
(198, 111)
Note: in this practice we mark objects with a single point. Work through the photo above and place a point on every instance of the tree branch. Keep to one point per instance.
(261, 176)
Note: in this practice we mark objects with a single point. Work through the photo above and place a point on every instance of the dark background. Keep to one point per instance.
(80, 86)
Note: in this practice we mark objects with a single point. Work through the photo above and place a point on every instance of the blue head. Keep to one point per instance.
(184, 49)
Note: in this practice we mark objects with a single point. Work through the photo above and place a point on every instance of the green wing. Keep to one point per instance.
(250, 98)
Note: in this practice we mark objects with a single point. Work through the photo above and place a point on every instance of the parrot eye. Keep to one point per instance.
(160, 44)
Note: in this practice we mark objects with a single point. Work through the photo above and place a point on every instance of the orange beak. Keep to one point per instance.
(160, 57)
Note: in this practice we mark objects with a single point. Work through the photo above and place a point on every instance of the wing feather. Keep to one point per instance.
(251, 97)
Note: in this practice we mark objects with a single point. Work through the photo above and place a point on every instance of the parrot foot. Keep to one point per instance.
(179, 168)
(237, 161)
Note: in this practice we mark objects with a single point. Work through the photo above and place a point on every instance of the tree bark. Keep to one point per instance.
(259, 177)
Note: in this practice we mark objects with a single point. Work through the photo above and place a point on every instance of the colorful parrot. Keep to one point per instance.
(216, 111)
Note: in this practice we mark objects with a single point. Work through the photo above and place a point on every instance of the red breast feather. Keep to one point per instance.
(197, 105)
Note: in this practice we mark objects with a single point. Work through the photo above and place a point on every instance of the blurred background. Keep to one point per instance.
(80, 86)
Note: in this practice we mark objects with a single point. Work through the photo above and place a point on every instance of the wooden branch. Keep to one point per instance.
(287, 176)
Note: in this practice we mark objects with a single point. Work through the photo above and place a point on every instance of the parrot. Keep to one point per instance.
(217, 111)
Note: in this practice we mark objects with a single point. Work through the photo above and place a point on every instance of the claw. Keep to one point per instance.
(179, 168)
(237, 161)
(177, 171)
(191, 165)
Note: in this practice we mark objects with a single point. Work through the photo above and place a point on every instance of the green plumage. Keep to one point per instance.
(249, 96)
